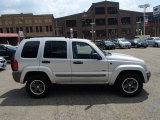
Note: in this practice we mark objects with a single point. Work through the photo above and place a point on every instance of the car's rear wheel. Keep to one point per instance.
(130, 84)
(38, 86)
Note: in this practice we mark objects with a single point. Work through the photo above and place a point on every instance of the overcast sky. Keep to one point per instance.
(60, 8)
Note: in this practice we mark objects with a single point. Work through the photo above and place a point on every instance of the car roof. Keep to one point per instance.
(54, 39)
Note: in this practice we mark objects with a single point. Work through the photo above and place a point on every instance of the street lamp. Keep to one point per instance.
(84, 22)
(71, 33)
(144, 6)
(92, 31)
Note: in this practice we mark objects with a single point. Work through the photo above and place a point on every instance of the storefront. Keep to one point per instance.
(9, 38)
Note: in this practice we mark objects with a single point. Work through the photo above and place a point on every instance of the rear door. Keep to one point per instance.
(56, 57)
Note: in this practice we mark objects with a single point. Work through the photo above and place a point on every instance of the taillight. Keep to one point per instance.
(15, 65)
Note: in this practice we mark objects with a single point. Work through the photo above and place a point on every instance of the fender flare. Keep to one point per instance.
(43, 69)
(121, 68)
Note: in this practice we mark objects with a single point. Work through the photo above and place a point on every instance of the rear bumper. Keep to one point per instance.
(16, 75)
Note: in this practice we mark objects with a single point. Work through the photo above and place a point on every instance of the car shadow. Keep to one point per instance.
(71, 95)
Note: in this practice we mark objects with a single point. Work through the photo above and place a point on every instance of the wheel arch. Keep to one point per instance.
(129, 71)
(31, 73)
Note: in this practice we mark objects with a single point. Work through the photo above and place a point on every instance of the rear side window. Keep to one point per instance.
(30, 49)
(55, 49)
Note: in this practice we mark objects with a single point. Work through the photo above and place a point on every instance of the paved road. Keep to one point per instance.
(96, 102)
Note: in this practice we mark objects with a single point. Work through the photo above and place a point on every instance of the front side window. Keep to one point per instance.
(82, 50)
(55, 49)
(30, 49)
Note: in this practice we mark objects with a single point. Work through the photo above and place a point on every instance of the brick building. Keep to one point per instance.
(31, 25)
(109, 22)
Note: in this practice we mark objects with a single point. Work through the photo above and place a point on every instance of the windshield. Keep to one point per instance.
(108, 42)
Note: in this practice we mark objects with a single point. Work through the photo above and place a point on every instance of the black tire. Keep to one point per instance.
(156, 45)
(38, 86)
(130, 84)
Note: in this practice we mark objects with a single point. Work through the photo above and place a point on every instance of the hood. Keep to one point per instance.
(124, 57)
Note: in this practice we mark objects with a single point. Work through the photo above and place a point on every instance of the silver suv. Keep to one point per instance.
(41, 62)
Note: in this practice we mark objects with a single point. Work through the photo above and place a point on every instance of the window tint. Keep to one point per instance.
(55, 49)
(30, 49)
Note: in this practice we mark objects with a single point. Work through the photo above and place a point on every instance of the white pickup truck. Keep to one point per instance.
(41, 62)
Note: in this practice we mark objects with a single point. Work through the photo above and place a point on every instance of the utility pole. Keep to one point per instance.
(92, 31)
(144, 15)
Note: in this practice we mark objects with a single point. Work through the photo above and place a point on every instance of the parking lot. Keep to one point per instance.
(84, 102)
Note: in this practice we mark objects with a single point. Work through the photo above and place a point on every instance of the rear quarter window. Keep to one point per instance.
(30, 49)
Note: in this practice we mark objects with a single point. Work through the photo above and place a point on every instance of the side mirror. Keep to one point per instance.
(96, 56)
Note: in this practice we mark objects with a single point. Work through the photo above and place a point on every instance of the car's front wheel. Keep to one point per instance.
(38, 86)
(130, 84)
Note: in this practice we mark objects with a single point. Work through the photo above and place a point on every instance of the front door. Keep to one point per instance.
(86, 69)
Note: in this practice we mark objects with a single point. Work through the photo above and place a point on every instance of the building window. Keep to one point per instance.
(31, 29)
(100, 21)
(112, 32)
(37, 29)
(27, 29)
(17, 29)
(86, 34)
(112, 10)
(112, 21)
(99, 10)
(86, 22)
(139, 19)
(7, 30)
(126, 20)
(21, 28)
(50, 28)
(11, 29)
(40, 29)
(47, 29)
(125, 31)
(71, 23)
(101, 33)
(1, 30)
